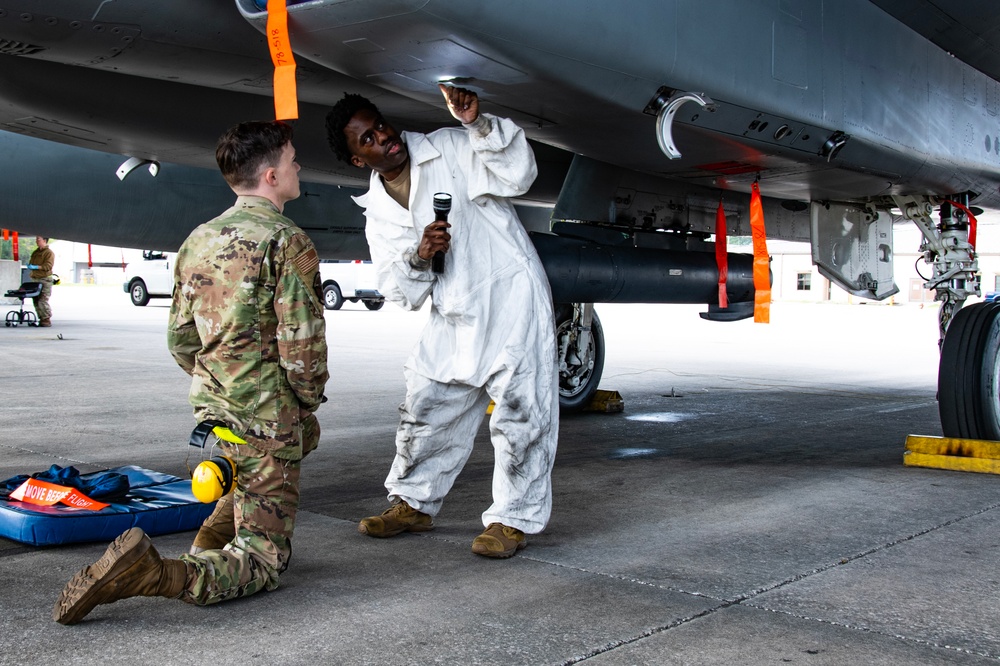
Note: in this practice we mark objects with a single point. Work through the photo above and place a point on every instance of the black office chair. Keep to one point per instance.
(19, 316)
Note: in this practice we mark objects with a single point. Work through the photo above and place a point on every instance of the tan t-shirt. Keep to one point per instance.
(399, 189)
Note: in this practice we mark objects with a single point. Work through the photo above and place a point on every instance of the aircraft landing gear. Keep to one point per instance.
(580, 348)
(968, 395)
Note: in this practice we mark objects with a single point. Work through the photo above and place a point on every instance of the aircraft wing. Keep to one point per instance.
(968, 29)
(162, 80)
(835, 122)
(838, 109)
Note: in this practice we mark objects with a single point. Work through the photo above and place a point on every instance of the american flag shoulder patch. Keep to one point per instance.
(307, 262)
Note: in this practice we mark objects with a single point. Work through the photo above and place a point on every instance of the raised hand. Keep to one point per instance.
(463, 104)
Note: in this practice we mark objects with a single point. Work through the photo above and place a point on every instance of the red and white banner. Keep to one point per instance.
(34, 491)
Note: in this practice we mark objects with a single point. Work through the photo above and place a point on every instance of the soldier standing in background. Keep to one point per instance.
(247, 324)
(41, 262)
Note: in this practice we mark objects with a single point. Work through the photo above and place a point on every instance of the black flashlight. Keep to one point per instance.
(442, 206)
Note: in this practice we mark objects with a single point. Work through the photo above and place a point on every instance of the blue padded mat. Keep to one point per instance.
(158, 503)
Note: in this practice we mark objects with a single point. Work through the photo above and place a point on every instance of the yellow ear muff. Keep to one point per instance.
(213, 478)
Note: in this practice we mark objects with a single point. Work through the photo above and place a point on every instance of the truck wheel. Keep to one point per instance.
(138, 293)
(374, 305)
(332, 298)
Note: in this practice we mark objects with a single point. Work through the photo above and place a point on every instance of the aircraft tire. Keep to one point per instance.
(332, 298)
(574, 399)
(969, 374)
(138, 293)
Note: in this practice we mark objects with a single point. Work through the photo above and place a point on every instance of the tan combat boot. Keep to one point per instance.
(130, 567)
(218, 529)
(499, 541)
(400, 517)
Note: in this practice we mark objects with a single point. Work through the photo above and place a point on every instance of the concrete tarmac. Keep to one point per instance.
(749, 506)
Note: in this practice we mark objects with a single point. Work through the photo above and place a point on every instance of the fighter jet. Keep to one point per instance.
(648, 120)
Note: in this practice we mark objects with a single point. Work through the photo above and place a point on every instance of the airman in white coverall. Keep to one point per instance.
(491, 328)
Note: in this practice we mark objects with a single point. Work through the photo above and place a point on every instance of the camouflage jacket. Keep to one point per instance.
(246, 322)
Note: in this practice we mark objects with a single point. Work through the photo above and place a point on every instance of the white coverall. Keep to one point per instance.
(491, 328)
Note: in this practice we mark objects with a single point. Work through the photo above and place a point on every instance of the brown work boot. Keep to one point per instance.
(499, 541)
(211, 537)
(45, 322)
(400, 517)
(130, 567)
(218, 529)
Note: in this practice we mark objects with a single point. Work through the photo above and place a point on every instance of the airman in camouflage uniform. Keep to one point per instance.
(41, 262)
(247, 324)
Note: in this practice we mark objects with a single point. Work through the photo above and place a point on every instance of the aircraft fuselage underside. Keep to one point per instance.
(645, 117)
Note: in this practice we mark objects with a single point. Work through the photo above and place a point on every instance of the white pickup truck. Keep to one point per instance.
(349, 281)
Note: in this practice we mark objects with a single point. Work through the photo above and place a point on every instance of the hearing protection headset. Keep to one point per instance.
(216, 476)
(212, 479)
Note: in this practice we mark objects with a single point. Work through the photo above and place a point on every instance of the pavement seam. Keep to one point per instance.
(648, 633)
(847, 560)
(739, 600)
(877, 632)
(652, 631)
(865, 553)
(19, 449)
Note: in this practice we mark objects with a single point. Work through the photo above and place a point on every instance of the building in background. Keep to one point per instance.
(101, 265)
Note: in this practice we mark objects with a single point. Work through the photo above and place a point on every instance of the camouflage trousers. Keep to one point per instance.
(264, 504)
(42, 307)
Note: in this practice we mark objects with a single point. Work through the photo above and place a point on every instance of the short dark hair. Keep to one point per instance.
(337, 119)
(246, 148)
